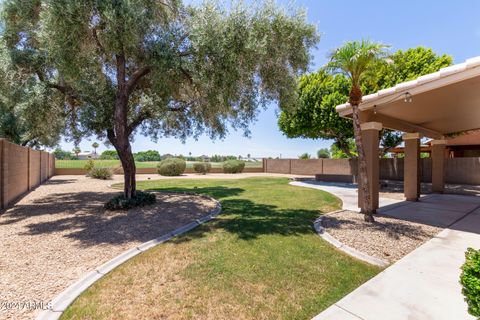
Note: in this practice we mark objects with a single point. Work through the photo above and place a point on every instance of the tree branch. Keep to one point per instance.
(135, 78)
(97, 41)
(185, 54)
(60, 88)
(187, 75)
(111, 136)
(120, 69)
(137, 121)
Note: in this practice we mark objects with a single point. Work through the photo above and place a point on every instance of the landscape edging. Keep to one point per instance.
(61, 302)
(343, 247)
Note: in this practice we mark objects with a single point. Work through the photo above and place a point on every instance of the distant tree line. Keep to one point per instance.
(144, 156)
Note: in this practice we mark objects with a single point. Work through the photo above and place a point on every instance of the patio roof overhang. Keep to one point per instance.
(435, 105)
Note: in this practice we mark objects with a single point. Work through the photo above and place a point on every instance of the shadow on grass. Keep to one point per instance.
(248, 219)
(80, 216)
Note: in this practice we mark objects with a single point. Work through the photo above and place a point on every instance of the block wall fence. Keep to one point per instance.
(457, 170)
(21, 170)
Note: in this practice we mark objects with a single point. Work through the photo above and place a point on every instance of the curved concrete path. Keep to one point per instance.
(423, 285)
(347, 192)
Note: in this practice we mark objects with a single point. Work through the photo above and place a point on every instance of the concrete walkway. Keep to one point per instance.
(425, 283)
(347, 192)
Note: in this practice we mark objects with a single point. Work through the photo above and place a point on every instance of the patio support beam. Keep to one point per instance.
(400, 125)
(370, 138)
(438, 165)
(411, 175)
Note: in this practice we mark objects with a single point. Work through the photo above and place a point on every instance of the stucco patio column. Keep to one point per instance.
(438, 165)
(370, 138)
(411, 174)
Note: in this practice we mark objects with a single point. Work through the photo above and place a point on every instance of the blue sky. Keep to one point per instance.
(450, 27)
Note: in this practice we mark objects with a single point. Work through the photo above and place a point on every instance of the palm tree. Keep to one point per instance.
(95, 146)
(355, 59)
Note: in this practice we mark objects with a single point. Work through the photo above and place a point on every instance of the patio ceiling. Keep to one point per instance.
(444, 102)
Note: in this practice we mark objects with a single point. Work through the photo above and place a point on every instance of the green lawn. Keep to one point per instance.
(260, 259)
(152, 164)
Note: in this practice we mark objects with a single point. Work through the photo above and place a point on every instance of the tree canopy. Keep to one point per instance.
(314, 115)
(63, 155)
(323, 154)
(149, 155)
(406, 65)
(109, 155)
(157, 67)
(24, 119)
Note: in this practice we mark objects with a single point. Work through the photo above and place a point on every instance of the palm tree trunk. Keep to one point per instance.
(366, 204)
(366, 201)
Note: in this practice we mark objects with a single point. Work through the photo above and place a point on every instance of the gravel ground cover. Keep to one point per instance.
(60, 231)
(387, 239)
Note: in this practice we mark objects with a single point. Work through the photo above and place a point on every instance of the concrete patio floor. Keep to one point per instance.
(425, 283)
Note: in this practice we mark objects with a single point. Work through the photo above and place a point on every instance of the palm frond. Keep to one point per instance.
(355, 58)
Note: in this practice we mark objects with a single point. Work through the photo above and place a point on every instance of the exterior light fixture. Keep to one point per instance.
(407, 97)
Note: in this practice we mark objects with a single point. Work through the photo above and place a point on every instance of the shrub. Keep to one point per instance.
(202, 167)
(150, 155)
(172, 167)
(63, 155)
(100, 173)
(323, 154)
(470, 280)
(233, 166)
(109, 155)
(304, 156)
(121, 203)
(89, 166)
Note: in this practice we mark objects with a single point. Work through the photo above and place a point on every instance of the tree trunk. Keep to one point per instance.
(366, 201)
(122, 145)
(121, 132)
(129, 170)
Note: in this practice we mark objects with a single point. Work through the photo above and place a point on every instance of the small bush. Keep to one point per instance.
(233, 166)
(89, 165)
(121, 203)
(100, 173)
(202, 167)
(172, 167)
(470, 280)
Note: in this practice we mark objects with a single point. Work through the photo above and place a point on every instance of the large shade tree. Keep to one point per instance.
(158, 67)
(314, 115)
(355, 59)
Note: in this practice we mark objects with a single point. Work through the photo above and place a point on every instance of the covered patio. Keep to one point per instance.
(436, 105)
